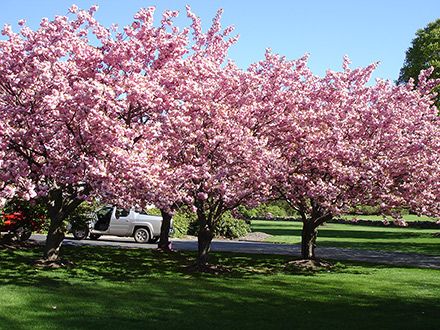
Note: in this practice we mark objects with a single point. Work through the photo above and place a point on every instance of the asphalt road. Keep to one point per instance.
(380, 257)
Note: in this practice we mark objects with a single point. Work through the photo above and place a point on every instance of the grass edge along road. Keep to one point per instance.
(126, 288)
(409, 240)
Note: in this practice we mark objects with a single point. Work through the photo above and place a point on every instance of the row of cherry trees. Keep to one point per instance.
(158, 114)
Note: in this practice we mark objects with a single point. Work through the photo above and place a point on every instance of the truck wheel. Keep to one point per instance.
(141, 235)
(80, 233)
(22, 233)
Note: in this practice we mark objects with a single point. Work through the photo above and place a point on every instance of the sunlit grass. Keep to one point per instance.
(124, 289)
(355, 236)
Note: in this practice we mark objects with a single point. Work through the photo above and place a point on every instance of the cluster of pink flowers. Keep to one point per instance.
(345, 143)
(152, 115)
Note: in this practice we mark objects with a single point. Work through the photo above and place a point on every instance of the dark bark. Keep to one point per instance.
(55, 237)
(308, 240)
(164, 240)
(205, 237)
(58, 210)
(309, 233)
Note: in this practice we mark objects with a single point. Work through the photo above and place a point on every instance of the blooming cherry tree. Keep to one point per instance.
(214, 160)
(345, 143)
(55, 135)
(209, 159)
(69, 111)
(150, 115)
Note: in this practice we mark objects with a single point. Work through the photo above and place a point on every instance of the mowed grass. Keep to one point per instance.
(355, 236)
(127, 289)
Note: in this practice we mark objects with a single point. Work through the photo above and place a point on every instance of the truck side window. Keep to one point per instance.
(121, 212)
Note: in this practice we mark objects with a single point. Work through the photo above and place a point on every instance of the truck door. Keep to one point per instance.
(120, 222)
(103, 217)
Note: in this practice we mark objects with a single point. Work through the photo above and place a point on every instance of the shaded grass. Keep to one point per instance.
(354, 236)
(136, 288)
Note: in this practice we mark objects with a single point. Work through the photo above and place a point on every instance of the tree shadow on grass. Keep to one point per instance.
(92, 264)
(129, 288)
(177, 300)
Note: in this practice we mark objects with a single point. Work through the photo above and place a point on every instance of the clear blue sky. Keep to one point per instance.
(366, 30)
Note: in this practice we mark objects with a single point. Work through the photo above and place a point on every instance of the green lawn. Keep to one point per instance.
(125, 289)
(355, 236)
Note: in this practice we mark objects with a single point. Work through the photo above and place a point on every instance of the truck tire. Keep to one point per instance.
(141, 235)
(80, 233)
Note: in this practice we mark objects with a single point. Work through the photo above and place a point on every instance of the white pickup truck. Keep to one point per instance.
(111, 220)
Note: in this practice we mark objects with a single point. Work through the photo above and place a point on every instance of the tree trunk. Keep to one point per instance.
(55, 237)
(308, 242)
(164, 240)
(205, 237)
(58, 210)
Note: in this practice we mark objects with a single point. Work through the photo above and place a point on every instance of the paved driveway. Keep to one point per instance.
(380, 257)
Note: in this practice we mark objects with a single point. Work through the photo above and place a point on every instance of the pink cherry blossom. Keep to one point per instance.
(71, 110)
(158, 114)
(344, 143)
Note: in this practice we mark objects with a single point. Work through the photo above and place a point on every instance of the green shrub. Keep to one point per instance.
(182, 220)
(229, 227)
(365, 210)
(185, 223)
(404, 211)
(373, 210)
(83, 214)
(275, 209)
(153, 211)
(35, 210)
